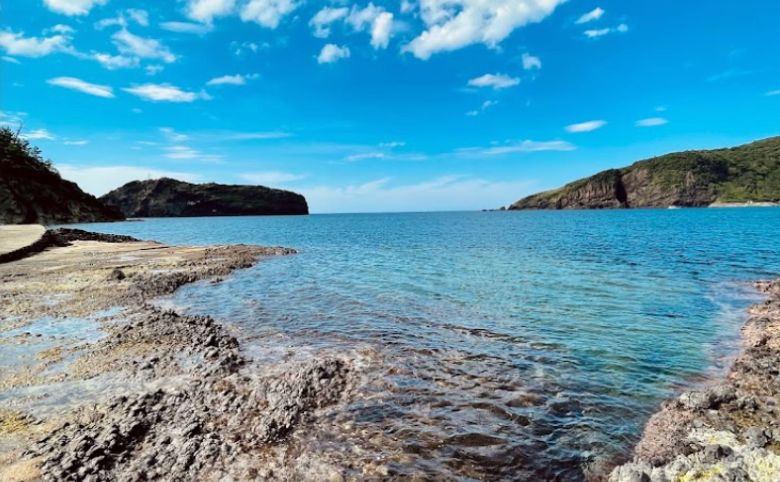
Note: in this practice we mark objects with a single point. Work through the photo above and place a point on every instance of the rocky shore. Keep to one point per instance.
(726, 432)
(153, 394)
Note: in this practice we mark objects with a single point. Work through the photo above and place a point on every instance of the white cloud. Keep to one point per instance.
(205, 11)
(10, 60)
(482, 108)
(651, 122)
(773, 92)
(141, 17)
(77, 84)
(72, 7)
(98, 180)
(331, 53)
(153, 69)
(113, 62)
(145, 48)
(531, 62)
(522, 147)
(381, 30)
(253, 136)
(496, 81)
(237, 79)
(454, 24)
(392, 144)
(364, 156)
(594, 14)
(595, 33)
(186, 153)
(271, 177)
(441, 194)
(172, 135)
(18, 44)
(63, 29)
(267, 13)
(323, 19)
(163, 93)
(186, 27)
(588, 126)
(38, 134)
(76, 142)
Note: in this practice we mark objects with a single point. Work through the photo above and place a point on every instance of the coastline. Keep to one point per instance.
(112, 387)
(729, 431)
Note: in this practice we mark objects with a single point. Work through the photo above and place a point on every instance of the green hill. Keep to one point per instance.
(31, 190)
(744, 174)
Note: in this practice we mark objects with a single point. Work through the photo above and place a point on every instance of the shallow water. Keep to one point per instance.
(514, 345)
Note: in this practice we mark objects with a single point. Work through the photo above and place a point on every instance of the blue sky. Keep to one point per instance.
(384, 106)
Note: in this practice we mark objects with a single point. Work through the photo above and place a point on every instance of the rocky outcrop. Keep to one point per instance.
(171, 198)
(745, 174)
(726, 432)
(32, 192)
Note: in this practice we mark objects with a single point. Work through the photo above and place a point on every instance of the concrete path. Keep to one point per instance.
(17, 236)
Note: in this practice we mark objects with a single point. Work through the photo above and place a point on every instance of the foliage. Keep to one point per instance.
(17, 150)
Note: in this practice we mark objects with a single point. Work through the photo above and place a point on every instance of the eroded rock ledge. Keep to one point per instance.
(727, 432)
(181, 400)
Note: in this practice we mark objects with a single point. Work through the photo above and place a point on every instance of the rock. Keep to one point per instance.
(117, 275)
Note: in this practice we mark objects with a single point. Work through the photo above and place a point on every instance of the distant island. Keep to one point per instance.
(748, 174)
(31, 190)
(171, 198)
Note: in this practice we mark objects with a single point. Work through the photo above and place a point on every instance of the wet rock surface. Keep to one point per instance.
(727, 432)
(191, 407)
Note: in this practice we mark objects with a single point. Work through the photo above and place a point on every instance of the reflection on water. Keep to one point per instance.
(525, 346)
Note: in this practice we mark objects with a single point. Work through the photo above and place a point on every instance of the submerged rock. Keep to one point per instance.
(728, 432)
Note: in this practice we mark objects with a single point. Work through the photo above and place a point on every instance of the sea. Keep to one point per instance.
(529, 345)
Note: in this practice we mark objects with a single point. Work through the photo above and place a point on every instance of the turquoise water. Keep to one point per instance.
(498, 345)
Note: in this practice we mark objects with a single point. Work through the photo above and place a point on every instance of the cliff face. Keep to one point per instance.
(749, 173)
(172, 198)
(32, 192)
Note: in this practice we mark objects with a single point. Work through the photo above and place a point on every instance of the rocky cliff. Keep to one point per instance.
(171, 198)
(32, 192)
(744, 174)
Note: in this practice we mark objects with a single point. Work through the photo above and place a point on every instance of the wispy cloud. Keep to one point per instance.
(600, 32)
(172, 135)
(495, 81)
(38, 134)
(482, 108)
(76, 142)
(331, 53)
(773, 93)
(651, 122)
(531, 62)
(237, 79)
(267, 13)
(729, 74)
(587, 126)
(186, 27)
(73, 83)
(594, 14)
(10, 60)
(163, 93)
(526, 146)
(179, 152)
(271, 177)
(146, 48)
